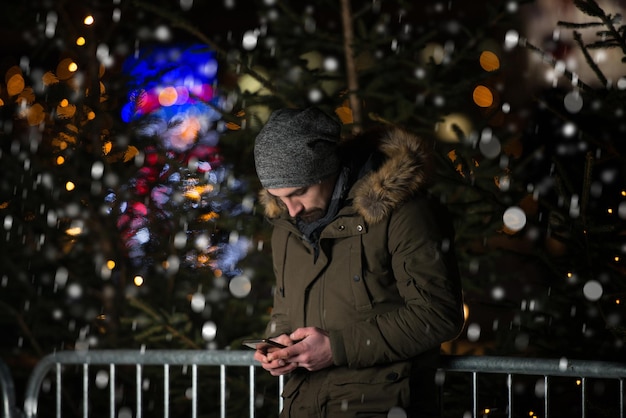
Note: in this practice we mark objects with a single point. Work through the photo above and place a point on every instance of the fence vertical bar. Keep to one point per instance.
(112, 390)
(85, 390)
(58, 388)
(621, 398)
(7, 391)
(194, 391)
(281, 384)
(138, 389)
(583, 384)
(509, 387)
(622, 395)
(475, 394)
(546, 396)
(222, 391)
(251, 399)
(166, 391)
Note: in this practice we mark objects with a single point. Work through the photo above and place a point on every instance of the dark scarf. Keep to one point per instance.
(311, 230)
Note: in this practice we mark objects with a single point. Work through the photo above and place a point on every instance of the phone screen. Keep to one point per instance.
(261, 344)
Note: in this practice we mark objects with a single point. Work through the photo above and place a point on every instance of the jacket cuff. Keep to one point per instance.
(338, 348)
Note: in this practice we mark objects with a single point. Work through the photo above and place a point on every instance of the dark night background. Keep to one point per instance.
(535, 144)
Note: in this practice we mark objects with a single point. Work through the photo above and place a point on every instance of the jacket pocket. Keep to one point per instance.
(372, 390)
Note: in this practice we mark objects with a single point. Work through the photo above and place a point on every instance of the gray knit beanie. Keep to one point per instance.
(297, 148)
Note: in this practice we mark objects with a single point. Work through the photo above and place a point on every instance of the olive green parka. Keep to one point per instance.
(385, 284)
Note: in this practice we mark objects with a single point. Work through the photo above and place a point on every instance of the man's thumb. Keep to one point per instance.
(297, 334)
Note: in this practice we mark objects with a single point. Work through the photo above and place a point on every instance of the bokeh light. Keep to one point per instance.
(593, 290)
(209, 331)
(489, 61)
(514, 218)
(138, 281)
(482, 96)
(240, 286)
(453, 127)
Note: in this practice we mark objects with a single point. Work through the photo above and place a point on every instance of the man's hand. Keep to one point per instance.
(310, 349)
(275, 366)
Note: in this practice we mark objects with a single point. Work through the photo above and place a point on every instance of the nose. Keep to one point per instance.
(293, 206)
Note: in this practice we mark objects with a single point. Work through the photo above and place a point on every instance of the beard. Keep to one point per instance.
(312, 215)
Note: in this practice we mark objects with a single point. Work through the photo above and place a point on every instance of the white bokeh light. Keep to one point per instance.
(569, 129)
(240, 286)
(511, 38)
(573, 102)
(198, 302)
(102, 379)
(75, 291)
(621, 210)
(514, 218)
(250, 39)
(209, 331)
(497, 293)
(489, 145)
(593, 290)
(473, 332)
(331, 64)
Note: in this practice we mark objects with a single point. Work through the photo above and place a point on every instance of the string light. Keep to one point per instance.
(80, 41)
(489, 61)
(74, 231)
(88, 20)
(69, 186)
(138, 280)
(482, 96)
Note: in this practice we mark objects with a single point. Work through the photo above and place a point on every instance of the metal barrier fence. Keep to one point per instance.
(7, 390)
(470, 386)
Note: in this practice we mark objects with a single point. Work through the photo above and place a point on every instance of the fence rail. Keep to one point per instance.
(492, 386)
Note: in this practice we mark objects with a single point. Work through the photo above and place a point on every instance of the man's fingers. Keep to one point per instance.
(283, 353)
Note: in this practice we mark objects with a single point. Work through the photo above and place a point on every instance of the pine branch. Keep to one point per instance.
(549, 59)
(162, 322)
(572, 25)
(594, 67)
(589, 7)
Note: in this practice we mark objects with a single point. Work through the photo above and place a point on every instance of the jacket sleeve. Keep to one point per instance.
(279, 321)
(427, 278)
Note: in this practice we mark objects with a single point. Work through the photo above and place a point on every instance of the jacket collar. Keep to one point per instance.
(400, 172)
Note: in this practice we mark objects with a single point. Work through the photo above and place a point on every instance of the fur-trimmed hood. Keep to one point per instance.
(400, 169)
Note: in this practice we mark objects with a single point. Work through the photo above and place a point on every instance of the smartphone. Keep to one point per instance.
(261, 344)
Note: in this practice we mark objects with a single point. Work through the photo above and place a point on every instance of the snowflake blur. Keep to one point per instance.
(173, 103)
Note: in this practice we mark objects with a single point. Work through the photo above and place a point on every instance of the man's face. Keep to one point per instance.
(309, 203)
